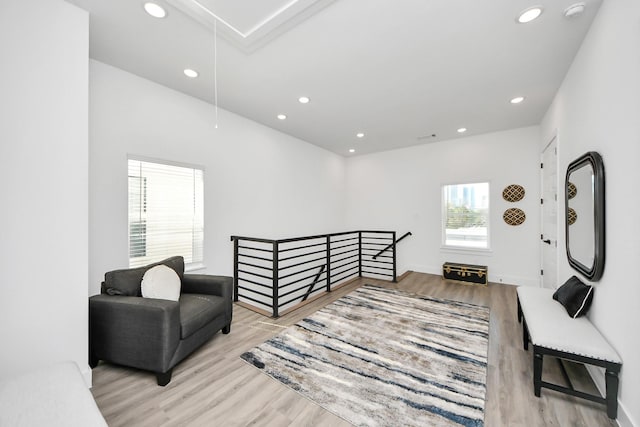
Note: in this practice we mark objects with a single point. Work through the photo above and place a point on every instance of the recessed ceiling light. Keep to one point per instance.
(190, 73)
(462, 130)
(529, 14)
(360, 135)
(282, 116)
(155, 10)
(574, 10)
(351, 150)
(304, 100)
(517, 100)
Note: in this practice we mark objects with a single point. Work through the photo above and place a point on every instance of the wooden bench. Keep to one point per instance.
(553, 333)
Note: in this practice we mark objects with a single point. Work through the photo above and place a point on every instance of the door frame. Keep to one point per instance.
(554, 138)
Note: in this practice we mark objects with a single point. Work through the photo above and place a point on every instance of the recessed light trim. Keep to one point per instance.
(352, 150)
(517, 100)
(360, 135)
(574, 10)
(462, 130)
(190, 73)
(529, 14)
(282, 116)
(155, 10)
(304, 100)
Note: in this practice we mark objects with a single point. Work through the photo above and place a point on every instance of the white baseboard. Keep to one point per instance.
(425, 269)
(624, 420)
(506, 280)
(87, 375)
(597, 375)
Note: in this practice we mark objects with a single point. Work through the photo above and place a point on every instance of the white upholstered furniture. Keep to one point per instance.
(552, 332)
(54, 396)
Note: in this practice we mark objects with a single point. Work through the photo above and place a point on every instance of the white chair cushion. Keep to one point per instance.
(550, 327)
(161, 282)
(50, 396)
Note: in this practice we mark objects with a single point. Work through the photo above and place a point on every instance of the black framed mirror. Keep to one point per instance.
(584, 215)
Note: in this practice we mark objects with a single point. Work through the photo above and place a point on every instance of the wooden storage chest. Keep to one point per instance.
(467, 273)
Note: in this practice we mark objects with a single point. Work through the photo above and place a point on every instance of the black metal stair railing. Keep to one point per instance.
(313, 284)
(277, 276)
(407, 234)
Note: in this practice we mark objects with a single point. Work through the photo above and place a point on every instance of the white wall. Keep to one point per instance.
(598, 109)
(44, 192)
(401, 190)
(258, 182)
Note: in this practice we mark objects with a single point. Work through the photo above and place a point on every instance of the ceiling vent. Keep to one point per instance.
(427, 138)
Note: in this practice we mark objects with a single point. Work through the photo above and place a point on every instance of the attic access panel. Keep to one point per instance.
(250, 24)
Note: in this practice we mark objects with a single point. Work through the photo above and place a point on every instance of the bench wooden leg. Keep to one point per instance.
(537, 373)
(519, 311)
(612, 393)
(525, 334)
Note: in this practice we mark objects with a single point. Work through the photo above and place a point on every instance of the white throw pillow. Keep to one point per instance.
(161, 282)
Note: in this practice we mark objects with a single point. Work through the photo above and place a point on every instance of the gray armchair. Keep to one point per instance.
(155, 334)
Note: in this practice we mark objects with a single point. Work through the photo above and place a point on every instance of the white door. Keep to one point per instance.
(549, 236)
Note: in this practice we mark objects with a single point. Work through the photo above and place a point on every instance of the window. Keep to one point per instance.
(465, 220)
(137, 215)
(166, 212)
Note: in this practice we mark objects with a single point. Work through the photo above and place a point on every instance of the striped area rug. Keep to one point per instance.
(381, 357)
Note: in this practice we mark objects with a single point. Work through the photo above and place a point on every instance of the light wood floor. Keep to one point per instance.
(214, 387)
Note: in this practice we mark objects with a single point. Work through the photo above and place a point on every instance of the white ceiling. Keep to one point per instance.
(249, 24)
(244, 15)
(399, 71)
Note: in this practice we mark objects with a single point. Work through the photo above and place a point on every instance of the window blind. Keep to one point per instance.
(166, 212)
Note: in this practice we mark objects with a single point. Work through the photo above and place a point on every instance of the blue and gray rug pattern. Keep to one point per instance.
(381, 357)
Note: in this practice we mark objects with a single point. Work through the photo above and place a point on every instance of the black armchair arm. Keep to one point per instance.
(134, 331)
(221, 286)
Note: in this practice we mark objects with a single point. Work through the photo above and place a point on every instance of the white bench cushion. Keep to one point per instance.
(551, 327)
(51, 396)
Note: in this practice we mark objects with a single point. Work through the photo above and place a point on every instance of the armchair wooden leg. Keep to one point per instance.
(226, 329)
(164, 378)
(93, 360)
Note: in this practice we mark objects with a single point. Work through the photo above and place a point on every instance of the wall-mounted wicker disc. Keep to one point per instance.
(571, 190)
(514, 216)
(572, 216)
(513, 193)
